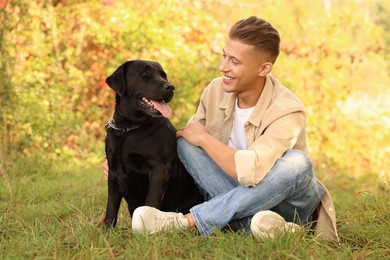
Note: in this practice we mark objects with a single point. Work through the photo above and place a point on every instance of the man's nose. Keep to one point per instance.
(223, 66)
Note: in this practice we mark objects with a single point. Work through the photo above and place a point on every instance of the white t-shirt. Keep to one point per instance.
(237, 137)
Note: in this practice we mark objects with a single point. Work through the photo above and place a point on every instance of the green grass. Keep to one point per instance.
(51, 212)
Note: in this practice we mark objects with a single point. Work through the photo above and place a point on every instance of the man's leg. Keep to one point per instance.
(209, 177)
(290, 189)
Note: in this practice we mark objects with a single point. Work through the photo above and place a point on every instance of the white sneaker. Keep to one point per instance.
(268, 223)
(148, 220)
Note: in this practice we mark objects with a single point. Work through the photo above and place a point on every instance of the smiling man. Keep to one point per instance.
(246, 150)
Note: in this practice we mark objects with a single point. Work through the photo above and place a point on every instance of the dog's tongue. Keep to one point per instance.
(164, 109)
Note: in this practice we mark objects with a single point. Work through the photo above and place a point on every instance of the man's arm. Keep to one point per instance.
(222, 154)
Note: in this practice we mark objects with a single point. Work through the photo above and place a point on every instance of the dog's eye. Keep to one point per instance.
(164, 75)
(145, 74)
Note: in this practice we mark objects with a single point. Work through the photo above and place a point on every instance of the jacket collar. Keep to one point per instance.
(262, 104)
(227, 103)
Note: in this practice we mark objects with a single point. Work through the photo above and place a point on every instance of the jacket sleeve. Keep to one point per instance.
(279, 136)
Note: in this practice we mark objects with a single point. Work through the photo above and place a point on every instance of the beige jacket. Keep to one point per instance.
(277, 124)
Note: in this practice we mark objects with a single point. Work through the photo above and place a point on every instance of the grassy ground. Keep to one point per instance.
(52, 212)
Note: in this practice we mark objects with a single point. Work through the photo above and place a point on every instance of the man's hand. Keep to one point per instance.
(194, 133)
(223, 155)
(105, 169)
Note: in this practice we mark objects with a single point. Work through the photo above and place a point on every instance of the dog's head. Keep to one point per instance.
(142, 88)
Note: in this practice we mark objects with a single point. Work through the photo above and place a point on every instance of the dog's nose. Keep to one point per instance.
(168, 87)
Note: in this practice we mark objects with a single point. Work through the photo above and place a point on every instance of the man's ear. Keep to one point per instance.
(117, 80)
(265, 68)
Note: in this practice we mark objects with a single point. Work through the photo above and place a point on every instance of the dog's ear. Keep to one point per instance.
(117, 80)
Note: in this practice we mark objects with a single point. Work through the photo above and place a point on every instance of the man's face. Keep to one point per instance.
(241, 65)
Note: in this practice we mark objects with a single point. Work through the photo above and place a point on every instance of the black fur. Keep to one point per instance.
(141, 145)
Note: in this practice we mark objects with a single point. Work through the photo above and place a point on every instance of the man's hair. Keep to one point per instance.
(259, 33)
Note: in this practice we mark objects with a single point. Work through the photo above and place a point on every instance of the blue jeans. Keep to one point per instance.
(290, 189)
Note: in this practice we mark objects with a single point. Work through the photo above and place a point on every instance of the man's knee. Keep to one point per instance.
(296, 164)
(299, 161)
(186, 149)
(182, 145)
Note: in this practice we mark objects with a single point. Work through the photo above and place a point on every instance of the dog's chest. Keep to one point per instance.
(141, 147)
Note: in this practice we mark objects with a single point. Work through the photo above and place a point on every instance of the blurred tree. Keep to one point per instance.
(56, 54)
(382, 19)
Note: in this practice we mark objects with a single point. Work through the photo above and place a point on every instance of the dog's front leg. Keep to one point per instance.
(113, 203)
(158, 184)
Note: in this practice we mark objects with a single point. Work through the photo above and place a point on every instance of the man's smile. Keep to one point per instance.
(227, 79)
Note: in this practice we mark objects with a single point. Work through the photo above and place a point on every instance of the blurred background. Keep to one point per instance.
(55, 56)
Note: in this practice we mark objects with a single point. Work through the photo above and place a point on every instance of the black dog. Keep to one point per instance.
(144, 167)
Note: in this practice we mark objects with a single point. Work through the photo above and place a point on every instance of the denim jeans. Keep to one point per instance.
(290, 189)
